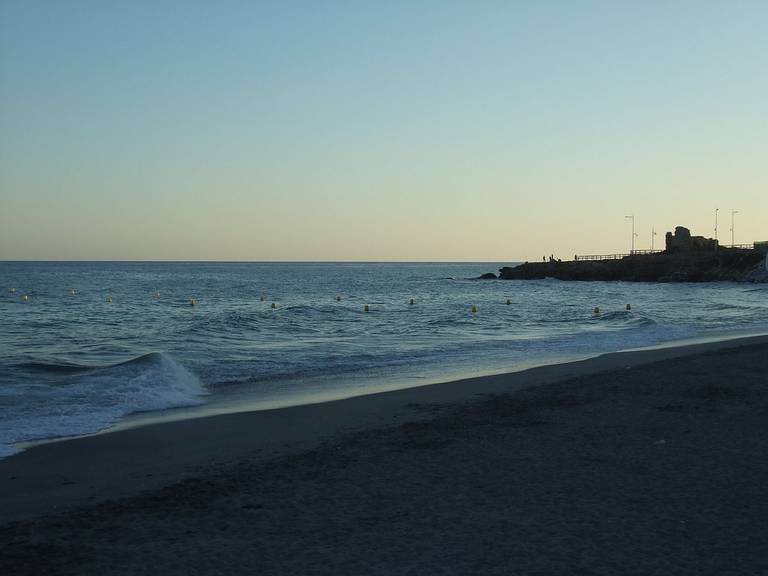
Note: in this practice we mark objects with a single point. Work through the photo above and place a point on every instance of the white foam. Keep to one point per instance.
(90, 402)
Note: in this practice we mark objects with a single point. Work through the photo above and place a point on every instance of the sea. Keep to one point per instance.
(86, 346)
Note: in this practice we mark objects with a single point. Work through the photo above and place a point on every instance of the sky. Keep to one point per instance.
(377, 131)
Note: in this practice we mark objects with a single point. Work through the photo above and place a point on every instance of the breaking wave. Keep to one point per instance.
(76, 400)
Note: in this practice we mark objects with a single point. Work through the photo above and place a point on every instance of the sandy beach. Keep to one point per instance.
(646, 462)
(383, 288)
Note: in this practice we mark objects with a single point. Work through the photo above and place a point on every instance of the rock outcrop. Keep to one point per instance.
(682, 241)
(723, 264)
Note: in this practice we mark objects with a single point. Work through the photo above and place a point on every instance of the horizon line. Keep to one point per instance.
(44, 261)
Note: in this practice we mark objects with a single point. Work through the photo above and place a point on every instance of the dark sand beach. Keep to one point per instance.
(647, 462)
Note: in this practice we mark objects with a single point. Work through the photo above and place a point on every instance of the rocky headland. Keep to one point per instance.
(685, 259)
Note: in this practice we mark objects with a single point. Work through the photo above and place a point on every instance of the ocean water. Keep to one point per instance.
(73, 362)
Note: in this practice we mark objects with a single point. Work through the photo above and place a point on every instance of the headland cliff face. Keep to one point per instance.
(723, 264)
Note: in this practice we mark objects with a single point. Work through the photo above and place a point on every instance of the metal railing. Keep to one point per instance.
(588, 257)
(581, 258)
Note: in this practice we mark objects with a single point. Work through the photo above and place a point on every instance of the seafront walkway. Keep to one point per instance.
(588, 257)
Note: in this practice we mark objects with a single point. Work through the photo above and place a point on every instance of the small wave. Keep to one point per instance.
(451, 323)
(725, 306)
(625, 317)
(153, 381)
(230, 320)
(53, 368)
(72, 368)
(143, 360)
(308, 310)
(614, 315)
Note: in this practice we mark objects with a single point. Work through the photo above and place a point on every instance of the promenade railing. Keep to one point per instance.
(580, 258)
(587, 257)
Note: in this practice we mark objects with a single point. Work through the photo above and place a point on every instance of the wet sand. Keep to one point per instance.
(650, 462)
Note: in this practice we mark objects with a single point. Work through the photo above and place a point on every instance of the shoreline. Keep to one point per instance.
(54, 477)
(223, 406)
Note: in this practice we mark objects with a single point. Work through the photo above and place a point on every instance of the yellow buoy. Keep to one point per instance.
(157, 294)
(193, 302)
(509, 301)
(24, 298)
(629, 307)
(596, 310)
(274, 305)
(365, 308)
(338, 298)
(72, 291)
(12, 290)
(474, 309)
(109, 299)
(412, 302)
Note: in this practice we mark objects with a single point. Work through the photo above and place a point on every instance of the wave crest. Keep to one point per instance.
(86, 399)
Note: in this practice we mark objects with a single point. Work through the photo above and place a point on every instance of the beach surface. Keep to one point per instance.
(643, 462)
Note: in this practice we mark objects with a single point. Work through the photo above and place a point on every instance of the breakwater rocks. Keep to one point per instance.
(725, 264)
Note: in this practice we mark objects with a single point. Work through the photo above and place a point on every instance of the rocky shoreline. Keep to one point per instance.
(724, 264)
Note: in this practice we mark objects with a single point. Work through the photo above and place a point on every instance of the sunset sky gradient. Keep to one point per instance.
(492, 131)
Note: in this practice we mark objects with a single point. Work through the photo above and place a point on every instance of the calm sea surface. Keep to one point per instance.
(72, 361)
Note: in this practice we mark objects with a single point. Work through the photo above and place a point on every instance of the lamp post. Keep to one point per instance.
(653, 236)
(716, 211)
(733, 213)
(632, 217)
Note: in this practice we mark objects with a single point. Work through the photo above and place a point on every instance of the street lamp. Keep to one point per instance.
(716, 211)
(733, 213)
(632, 217)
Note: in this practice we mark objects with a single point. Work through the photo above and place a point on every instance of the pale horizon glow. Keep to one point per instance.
(369, 131)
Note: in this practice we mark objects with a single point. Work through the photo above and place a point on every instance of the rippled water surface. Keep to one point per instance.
(93, 342)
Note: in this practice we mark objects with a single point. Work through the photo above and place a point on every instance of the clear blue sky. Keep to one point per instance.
(377, 130)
